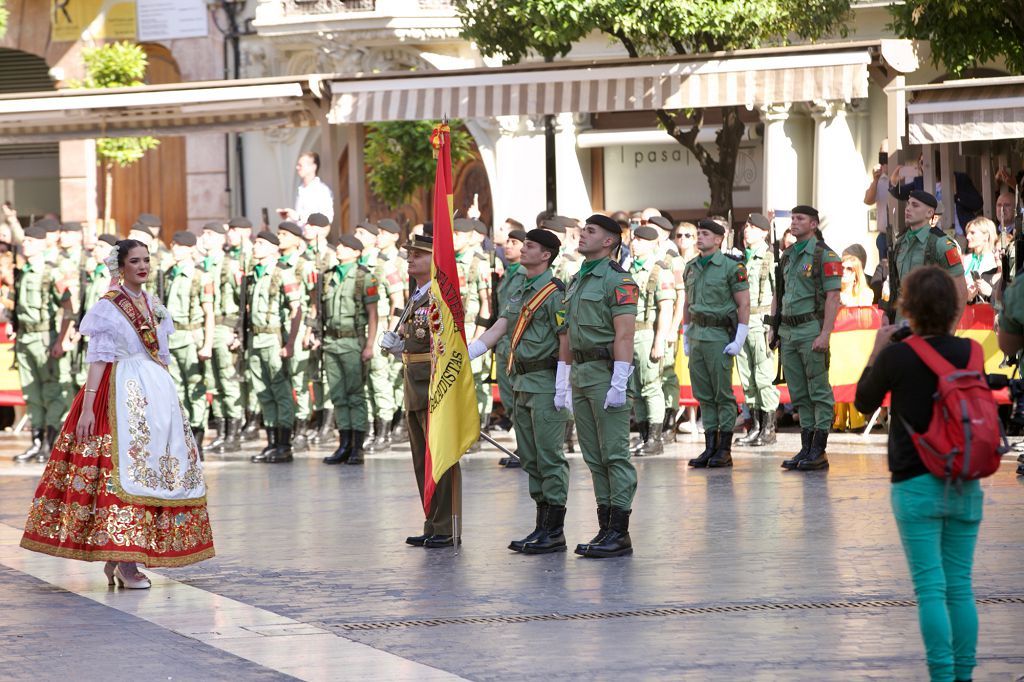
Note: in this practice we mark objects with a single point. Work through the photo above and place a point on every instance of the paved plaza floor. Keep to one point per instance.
(751, 573)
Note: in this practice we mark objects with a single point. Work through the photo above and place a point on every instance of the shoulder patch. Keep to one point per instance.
(952, 256)
(616, 267)
(627, 294)
(832, 269)
(364, 268)
(559, 284)
(741, 272)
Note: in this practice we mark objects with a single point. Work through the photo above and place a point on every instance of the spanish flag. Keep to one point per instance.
(453, 423)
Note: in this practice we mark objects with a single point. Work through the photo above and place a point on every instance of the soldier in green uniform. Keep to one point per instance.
(161, 259)
(473, 285)
(715, 323)
(221, 274)
(275, 314)
(813, 274)
(394, 282)
(480, 271)
(321, 255)
(509, 285)
(38, 298)
(190, 305)
(95, 281)
(350, 330)
(601, 314)
(921, 244)
(300, 270)
(237, 266)
(1011, 330)
(533, 317)
(669, 381)
(756, 360)
(412, 343)
(72, 269)
(653, 276)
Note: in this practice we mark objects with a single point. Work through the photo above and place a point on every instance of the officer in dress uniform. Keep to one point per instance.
(301, 272)
(813, 276)
(321, 254)
(350, 332)
(275, 314)
(509, 285)
(757, 361)
(601, 314)
(190, 304)
(412, 342)
(715, 324)
(533, 323)
(394, 282)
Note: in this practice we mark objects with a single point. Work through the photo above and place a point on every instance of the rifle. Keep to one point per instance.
(243, 324)
(892, 273)
(318, 324)
(76, 354)
(775, 321)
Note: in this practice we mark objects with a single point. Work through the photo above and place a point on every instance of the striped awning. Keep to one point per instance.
(970, 109)
(752, 79)
(159, 110)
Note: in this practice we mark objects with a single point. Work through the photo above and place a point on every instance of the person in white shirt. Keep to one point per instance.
(312, 195)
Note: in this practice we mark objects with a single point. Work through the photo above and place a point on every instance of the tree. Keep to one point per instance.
(400, 159)
(516, 29)
(963, 33)
(116, 65)
(4, 15)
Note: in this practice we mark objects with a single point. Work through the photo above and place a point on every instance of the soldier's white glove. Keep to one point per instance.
(392, 342)
(563, 390)
(476, 349)
(737, 343)
(686, 340)
(617, 391)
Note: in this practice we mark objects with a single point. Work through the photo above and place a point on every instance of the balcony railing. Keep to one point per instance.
(304, 7)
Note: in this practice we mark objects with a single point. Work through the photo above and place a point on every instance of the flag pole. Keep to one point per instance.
(456, 507)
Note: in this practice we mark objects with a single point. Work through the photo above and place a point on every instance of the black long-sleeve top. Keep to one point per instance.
(898, 370)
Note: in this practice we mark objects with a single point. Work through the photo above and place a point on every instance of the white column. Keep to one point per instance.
(520, 192)
(573, 198)
(839, 176)
(781, 161)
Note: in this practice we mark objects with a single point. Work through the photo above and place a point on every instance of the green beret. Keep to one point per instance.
(759, 221)
(389, 225)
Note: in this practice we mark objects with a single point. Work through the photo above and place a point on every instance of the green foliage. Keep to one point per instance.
(400, 159)
(117, 65)
(4, 15)
(965, 33)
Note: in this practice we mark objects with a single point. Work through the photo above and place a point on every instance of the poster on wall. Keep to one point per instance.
(74, 20)
(171, 19)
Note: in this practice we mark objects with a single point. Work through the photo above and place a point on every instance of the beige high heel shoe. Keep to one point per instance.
(108, 569)
(137, 581)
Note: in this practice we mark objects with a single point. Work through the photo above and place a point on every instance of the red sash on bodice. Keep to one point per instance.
(139, 323)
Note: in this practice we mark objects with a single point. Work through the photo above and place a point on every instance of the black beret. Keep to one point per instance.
(107, 239)
(71, 226)
(240, 221)
(421, 243)
(270, 237)
(35, 232)
(479, 226)
(646, 232)
(139, 227)
(542, 237)
(149, 220)
(758, 220)
(289, 226)
(389, 225)
(463, 225)
(605, 223)
(333, 241)
(318, 220)
(558, 223)
(518, 234)
(662, 222)
(214, 226)
(924, 197)
(806, 210)
(351, 242)
(711, 226)
(184, 237)
(47, 224)
(368, 226)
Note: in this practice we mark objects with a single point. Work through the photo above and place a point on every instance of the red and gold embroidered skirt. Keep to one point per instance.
(76, 515)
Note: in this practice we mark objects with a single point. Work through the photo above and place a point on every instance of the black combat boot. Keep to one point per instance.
(315, 424)
(251, 430)
(603, 512)
(616, 541)
(232, 435)
(570, 429)
(816, 457)
(753, 431)
(344, 449)
(668, 427)
(356, 456)
(49, 441)
(38, 436)
(261, 457)
(552, 536)
(300, 435)
(710, 445)
(1020, 469)
(655, 444)
(805, 445)
(326, 425)
(283, 452)
(198, 435)
(767, 435)
(216, 424)
(517, 545)
(643, 434)
(371, 442)
(399, 434)
(723, 453)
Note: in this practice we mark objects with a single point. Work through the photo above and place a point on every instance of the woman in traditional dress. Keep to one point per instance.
(124, 483)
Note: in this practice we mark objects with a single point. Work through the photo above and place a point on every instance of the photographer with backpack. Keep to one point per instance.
(945, 434)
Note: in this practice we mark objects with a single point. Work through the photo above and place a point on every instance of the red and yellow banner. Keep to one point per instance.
(851, 344)
(453, 423)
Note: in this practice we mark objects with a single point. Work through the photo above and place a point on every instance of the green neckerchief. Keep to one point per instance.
(461, 257)
(235, 251)
(27, 267)
(531, 280)
(915, 233)
(207, 262)
(99, 269)
(175, 271)
(704, 260)
(747, 253)
(286, 258)
(637, 265)
(975, 263)
(260, 269)
(589, 266)
(513, 268)
(800, 246)
(341, 270)
(363, 260)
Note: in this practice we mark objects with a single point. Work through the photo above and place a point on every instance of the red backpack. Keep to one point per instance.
(965, 439)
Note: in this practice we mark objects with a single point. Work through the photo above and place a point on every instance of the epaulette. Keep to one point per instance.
(664, 264)
(480, 255)
(363, 268)
(734, 256)
(559, 284)
(283, 265)
(616, 267)
(383, 256)
(672, 253)
(938, 232)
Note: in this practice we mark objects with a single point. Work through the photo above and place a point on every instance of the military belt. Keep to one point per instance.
(414, 358)
(704, 320)
(643, 326)
(527, 366)
(592, 355)
(266, 330)
(796, 320)
(343, 334)
(33, 328)
(226, 320)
